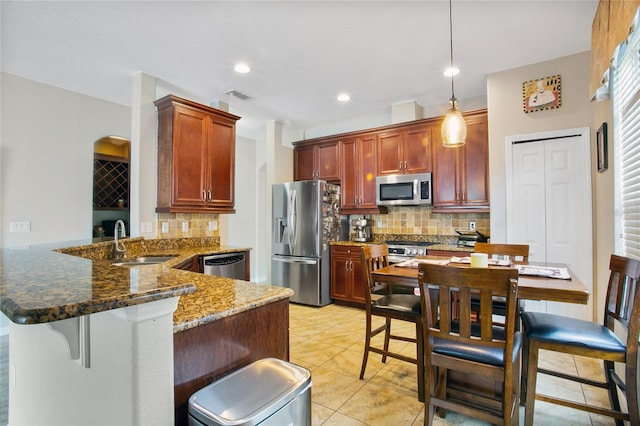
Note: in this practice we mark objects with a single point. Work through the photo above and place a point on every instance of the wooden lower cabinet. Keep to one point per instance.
(209, 351)
(347, 282)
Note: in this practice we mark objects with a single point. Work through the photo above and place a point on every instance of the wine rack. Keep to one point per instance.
(110, 182)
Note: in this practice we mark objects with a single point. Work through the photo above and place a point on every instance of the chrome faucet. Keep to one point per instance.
(120, 250)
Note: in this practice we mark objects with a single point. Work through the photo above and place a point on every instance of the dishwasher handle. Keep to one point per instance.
(223, 259)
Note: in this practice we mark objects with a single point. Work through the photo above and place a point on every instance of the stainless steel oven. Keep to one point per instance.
(399, 251)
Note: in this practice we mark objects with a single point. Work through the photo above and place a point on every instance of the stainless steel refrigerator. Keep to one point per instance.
(306, 218)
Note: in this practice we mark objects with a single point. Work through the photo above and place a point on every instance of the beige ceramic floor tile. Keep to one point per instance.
(349, 362)
(341, 420)
(376, 405)
(332, 389)
(315, 352)
(319, 413)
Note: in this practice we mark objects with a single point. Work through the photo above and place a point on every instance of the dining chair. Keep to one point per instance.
(589, 339)
(380, 301)
(481, 351)
(517, 253)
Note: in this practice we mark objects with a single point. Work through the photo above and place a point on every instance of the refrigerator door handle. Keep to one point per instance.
(291, 219)
(304, 261)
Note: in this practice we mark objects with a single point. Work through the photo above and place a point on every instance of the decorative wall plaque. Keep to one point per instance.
(541, 94)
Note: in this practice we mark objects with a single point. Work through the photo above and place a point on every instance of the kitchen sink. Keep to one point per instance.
(145, 260)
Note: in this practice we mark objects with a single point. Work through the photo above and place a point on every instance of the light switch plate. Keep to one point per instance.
(213, 225)
(185, 226)
(19, 226)
(165, 227)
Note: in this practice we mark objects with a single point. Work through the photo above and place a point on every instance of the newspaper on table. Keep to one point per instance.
(413, 263)
(544, 271)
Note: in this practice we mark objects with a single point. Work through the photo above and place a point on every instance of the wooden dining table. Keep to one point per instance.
(529, 287)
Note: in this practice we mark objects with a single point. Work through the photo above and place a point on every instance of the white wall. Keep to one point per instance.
(507, 118)
(242, 225)
(47, 142)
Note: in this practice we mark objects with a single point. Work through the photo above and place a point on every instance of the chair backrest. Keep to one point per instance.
(372, 257)
(622, 305)
(515, 252)
(483, 282)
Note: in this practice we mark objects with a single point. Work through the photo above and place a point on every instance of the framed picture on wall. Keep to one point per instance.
(541, 94)
(601, 148)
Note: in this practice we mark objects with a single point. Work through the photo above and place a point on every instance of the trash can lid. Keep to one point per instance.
(251, 394)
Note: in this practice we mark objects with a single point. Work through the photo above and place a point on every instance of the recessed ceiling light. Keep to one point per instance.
(242, 68)
(451, 71)
(344, 97)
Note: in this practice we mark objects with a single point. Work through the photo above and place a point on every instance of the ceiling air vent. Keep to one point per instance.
(238, 95)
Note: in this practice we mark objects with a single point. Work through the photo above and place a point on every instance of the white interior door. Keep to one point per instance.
(549, 206)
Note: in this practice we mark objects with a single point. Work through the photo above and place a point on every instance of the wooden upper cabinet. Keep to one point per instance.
(358, 184)
(461, 175)
(405, 150)
(317, 161)
(196, 157)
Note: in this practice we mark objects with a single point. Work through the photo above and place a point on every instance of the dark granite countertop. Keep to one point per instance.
(65, 280)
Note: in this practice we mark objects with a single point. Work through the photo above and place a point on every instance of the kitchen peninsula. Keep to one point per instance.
(96, 343)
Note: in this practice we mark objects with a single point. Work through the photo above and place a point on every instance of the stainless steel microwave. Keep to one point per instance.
(404, 190)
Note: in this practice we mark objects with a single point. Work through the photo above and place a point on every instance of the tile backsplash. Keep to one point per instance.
(423, 221)
(197, 225)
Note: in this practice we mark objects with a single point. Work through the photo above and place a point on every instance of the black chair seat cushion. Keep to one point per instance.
(485, 355)
(570, 331)
(401, 303)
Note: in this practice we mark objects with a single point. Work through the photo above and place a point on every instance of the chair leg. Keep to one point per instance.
(429, 410)
(612, 389)
(420, 360)
(387, 333)
(631, 379)
(532, 373)
(367, 344)
(523, 375)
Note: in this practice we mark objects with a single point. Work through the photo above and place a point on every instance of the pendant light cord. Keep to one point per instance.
(453, 96)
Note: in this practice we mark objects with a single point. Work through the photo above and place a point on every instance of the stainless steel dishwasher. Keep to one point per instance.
(230, 265)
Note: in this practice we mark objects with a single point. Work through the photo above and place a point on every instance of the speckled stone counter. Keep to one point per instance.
(58, 281)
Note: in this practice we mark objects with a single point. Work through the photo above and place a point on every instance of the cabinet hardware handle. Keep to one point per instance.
(209, 195)
(405, 166)
(400, 166)
(204, 195)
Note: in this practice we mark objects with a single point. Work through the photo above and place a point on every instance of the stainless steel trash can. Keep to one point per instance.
(268, 392)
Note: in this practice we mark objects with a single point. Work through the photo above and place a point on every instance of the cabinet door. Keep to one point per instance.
(367, 172)
(390, 160)
(304, 163)
(189, 152)
(417, 149)
(349, 188)
(475, 164)
(328, 158)
(445, 178)
(358, 286)
(340, 273)
(221, 165)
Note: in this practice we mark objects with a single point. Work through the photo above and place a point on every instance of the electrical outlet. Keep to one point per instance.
(185, 226)
(19, 226)
(213, 225)
(165, 227)
(472, 225)
(379, 224)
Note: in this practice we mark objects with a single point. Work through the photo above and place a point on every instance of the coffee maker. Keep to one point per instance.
(362, 230)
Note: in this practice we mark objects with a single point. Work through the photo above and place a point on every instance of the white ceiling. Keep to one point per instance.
(302, 53)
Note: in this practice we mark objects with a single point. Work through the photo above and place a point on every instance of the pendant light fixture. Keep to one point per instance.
(454, 128)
